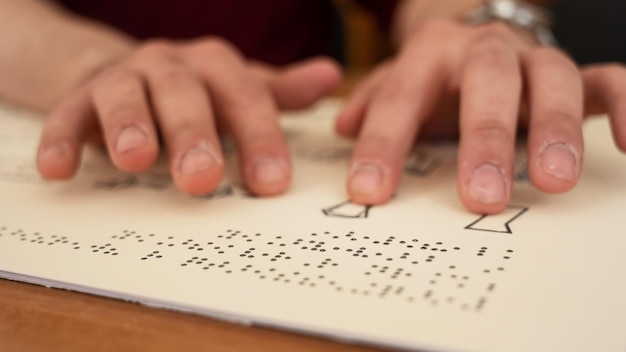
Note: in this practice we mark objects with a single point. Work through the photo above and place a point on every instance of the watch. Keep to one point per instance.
(518, 14)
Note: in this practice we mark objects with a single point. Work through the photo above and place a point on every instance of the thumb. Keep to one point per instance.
(605, 92)
(300, 85)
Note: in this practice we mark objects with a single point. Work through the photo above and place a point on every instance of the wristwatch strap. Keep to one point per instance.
(518, 14)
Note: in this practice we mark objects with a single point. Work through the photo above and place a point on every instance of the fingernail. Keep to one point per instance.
(269, 170)
(130, 138)
(54, 152)
(486, 185)
(366, 178)
(198, 159)
(559, 160)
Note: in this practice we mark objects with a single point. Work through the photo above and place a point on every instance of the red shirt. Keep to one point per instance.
(275, 31)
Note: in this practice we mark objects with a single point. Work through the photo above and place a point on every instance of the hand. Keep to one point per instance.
(479, 83)
(186, 93)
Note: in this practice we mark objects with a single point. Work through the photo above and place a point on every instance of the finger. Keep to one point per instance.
(300, 85)
(120, 100)
(66, 129)
(555, 143)
(182, 108)
(350, 118)
(605, 92)
(397, 109)
(246, 106)
(490, 98)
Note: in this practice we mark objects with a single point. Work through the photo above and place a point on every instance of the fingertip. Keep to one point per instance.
(484, 209)
(200, 183)
(268, 176)
(485, 190)
(369, 184)
(556, 168)
(198, 170)
(57, 161)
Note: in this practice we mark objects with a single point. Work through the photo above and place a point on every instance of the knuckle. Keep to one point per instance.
(498, 29)
(381, 147)
(156, 47)
(434, 29)
(559, 120)
(247, 99)
(214, 46)
(550, 59)
(121, 79)
(174, 76)
(492, 129)
(492, 50)
(615, 69)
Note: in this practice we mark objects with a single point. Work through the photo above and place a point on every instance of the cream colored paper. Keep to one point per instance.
(549, 274)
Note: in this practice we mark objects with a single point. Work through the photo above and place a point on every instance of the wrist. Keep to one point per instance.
(413, 13)
(522, 16)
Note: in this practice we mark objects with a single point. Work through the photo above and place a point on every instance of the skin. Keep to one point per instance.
(479, 83)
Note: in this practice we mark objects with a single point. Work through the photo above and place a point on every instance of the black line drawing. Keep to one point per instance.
(156, 181)
(421, 164)
(484, 224)
(118, 182)
(324, 155)
(223, 191)
(348, 210)
(521, 172)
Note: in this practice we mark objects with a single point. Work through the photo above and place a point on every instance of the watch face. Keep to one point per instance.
(521, 13)
(503, 8)
(518, 14)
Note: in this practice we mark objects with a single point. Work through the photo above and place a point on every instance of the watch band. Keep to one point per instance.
(518, 14)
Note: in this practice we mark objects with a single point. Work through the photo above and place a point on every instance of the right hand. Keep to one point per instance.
(186, 93)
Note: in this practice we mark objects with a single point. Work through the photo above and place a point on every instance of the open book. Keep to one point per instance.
(422, 273)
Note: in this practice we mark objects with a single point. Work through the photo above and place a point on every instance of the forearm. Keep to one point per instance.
(411, 13)
(47, 52)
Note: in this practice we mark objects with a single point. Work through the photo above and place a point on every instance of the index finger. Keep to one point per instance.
(392, 121)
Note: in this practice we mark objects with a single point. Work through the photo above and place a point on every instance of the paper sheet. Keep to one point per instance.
(422, 273)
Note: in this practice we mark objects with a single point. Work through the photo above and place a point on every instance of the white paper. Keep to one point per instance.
(548, 274)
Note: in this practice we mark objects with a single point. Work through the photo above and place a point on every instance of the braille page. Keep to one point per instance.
(419, 273)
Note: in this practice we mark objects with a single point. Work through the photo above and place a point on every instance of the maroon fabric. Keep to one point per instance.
(276, 31)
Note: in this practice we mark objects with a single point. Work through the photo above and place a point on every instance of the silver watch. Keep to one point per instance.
(518, 14)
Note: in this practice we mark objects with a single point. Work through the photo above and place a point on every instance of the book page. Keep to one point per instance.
(418, 273)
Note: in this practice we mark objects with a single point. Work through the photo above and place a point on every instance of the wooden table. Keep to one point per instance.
(34, 318)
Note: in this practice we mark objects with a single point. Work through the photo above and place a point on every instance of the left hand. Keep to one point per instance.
(479, 83)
